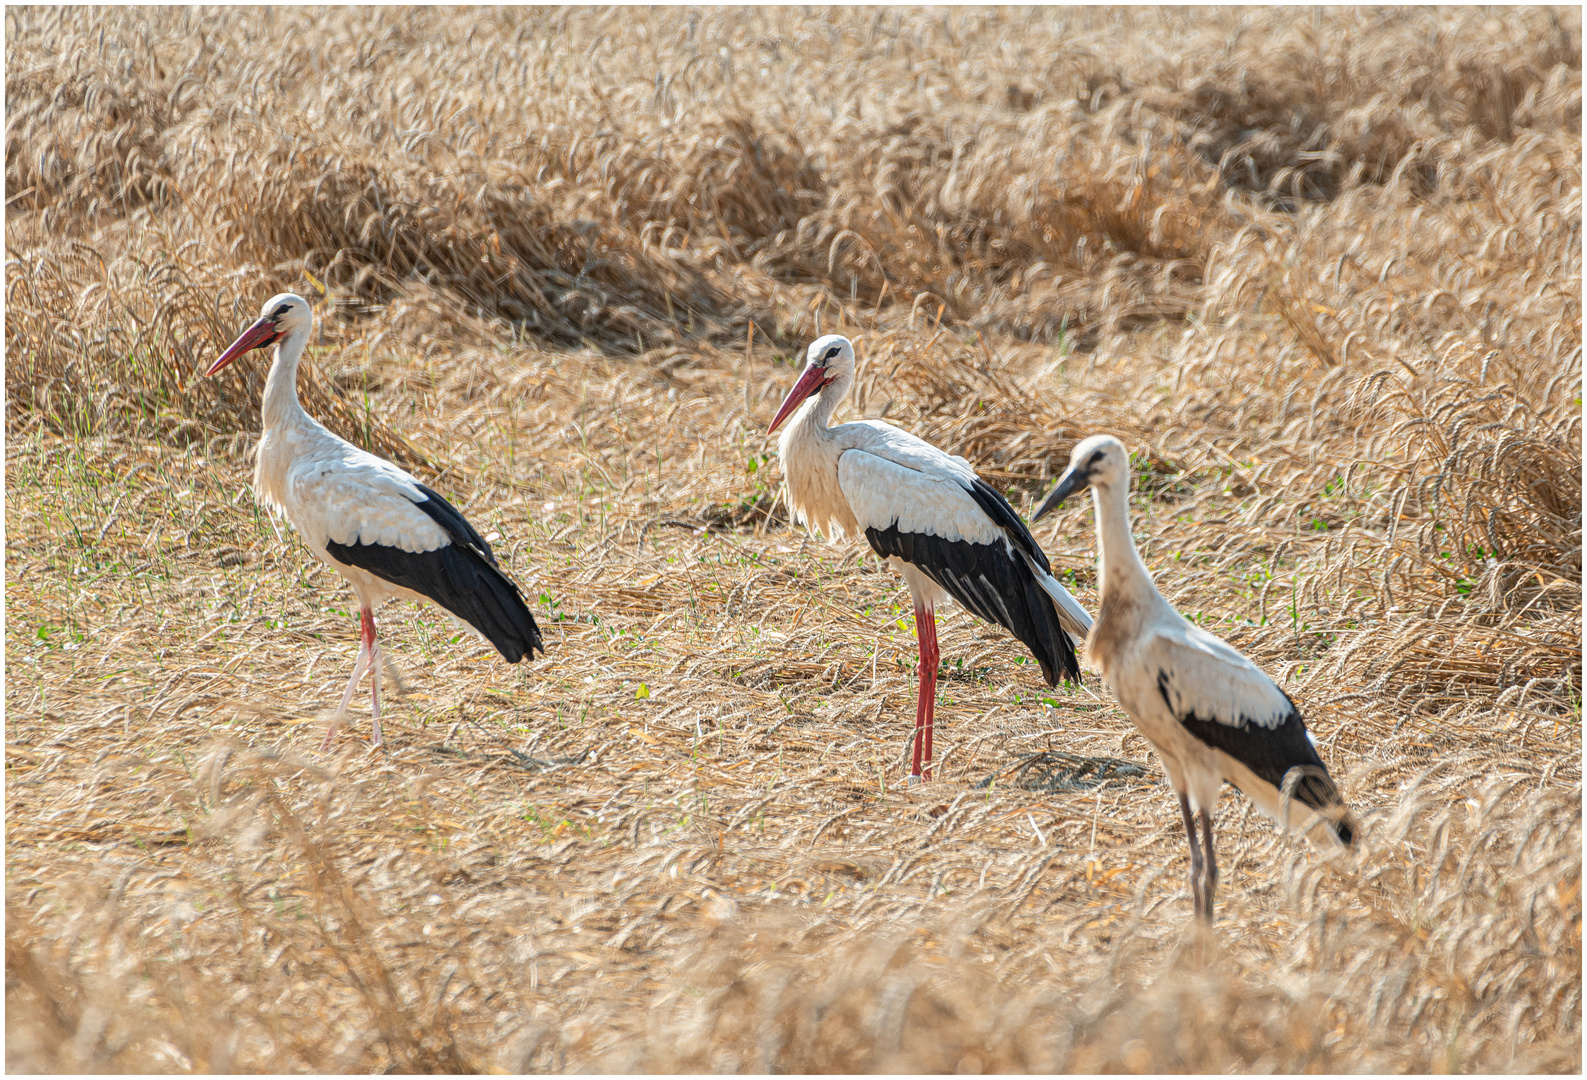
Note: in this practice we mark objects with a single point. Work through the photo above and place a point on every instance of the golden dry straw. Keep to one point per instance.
(1320, 269)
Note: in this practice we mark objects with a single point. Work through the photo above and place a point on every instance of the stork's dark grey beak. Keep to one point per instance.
(1069, 483)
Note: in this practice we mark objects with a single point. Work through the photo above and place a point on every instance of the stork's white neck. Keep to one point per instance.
(281, 405)
(809, 452)
(1119, 563)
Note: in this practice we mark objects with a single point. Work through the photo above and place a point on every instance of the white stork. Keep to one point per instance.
(1210, 713)
(928, 515)
(381, 529)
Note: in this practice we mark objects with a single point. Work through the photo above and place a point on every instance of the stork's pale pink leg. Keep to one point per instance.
(359, 666)
(367, 624)
(374, 694)
(925, 705)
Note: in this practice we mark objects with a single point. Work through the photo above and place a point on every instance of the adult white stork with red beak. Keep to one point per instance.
(381, 529)
(928, 515)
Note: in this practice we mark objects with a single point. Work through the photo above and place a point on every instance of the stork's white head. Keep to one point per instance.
(283, 315)
(829, 360)
(1100, 462)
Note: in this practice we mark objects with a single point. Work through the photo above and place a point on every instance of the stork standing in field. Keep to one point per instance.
(1210, 713)
(928, 515)
(377, 526)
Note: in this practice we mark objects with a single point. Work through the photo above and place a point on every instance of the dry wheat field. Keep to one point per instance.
(1320, 269)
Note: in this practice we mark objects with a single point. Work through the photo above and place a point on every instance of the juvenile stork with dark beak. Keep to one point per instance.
(1210, 713)
(376, 525)
(928, 515)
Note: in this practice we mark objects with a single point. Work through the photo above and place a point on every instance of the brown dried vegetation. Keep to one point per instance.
(1321, 269)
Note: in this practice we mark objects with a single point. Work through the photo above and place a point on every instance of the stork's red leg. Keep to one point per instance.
(368, 660)
(925, 705)
(932, 661)
(367, 624)
(918, 741)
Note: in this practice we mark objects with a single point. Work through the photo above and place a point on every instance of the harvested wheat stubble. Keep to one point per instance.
(1322, 270)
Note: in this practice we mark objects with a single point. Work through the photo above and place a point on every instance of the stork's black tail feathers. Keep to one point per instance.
(461, 577)
(1317, 790)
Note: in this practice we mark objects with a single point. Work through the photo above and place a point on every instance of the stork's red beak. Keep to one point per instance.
(257, 336)
(813, 379)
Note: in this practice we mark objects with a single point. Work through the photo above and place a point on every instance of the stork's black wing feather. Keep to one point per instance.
(461, 577)
(994, 582)
(1003, 515)
(1269, 751)
(452, 520)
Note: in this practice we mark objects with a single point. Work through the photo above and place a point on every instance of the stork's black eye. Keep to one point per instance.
(280, 311)
(1095, 458)
(832, 352)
